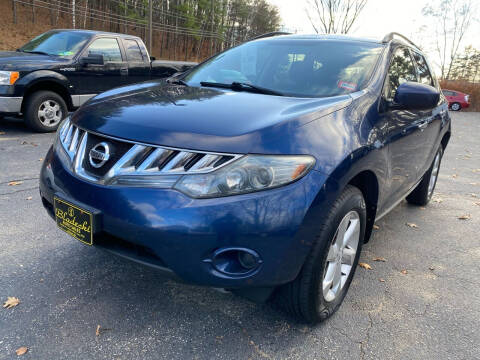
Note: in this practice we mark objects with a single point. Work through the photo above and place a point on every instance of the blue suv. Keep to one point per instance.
(262, 170)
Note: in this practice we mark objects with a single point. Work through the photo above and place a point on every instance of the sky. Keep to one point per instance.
(378, 18)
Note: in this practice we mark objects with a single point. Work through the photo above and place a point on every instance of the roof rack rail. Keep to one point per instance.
(390, 36)
(270, 34)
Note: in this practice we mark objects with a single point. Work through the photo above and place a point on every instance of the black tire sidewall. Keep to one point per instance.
(320, 308)
(459, 107)
(31, 110)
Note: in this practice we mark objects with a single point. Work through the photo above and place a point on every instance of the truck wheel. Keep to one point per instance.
(456, 107)
(424, 190)
(319, 289)
(44, 110)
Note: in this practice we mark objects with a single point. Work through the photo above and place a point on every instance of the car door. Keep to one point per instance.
(138, 64)
(94, 79)
(401, 128)
(430, 120)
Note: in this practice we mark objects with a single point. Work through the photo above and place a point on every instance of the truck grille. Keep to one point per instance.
(119, 158)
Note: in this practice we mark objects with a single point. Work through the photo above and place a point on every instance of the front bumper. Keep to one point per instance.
(11, 105)
(166, 228)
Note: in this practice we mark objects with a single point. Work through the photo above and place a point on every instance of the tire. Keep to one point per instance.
(308, 297)
(456, 106)
(44, 111)
(424, 191)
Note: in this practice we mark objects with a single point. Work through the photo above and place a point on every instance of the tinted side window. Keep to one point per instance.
(423, 71)
(108, 48)
(447, 93)
(401, 70)
(133, 50)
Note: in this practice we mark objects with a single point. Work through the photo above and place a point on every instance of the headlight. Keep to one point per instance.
(249, 174)
(8, 77)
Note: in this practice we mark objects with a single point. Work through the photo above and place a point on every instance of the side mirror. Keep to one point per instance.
(92, 59)
(416, 96)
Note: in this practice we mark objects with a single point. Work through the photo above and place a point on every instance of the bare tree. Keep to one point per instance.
(452, 19)
(334, 16)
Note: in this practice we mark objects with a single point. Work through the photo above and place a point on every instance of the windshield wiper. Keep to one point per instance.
(239, 86)
(34, 52)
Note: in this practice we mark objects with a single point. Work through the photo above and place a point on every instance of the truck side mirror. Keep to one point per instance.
(92, 59)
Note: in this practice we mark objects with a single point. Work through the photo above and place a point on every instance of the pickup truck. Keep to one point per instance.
(59, 70)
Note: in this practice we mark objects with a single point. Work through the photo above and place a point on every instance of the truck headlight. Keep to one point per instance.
(248, 174)
(8, 77)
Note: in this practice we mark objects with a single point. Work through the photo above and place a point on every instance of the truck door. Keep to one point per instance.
(94, 79)
(138, 64)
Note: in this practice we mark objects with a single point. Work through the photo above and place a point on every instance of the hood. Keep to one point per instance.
(200, 118)
(19, 61)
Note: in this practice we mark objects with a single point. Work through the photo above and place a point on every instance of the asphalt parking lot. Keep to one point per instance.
(423, 302)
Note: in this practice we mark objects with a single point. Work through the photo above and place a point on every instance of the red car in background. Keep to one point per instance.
(456, 99)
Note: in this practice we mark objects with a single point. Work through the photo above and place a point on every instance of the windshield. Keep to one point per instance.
(306, 68)
(63, 43)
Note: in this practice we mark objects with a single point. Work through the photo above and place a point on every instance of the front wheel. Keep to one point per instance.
(424, 190)
(323, 282)
(44, 110)
(456, 107)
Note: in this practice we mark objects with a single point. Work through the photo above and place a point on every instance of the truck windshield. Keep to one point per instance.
(302, 68)
(63, 43)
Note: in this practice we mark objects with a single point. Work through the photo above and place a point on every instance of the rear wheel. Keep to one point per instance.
(424, 190)
(323, 282)
(44, 110)
(456, 107)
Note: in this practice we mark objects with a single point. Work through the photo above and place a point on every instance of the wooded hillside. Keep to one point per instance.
(183, 29)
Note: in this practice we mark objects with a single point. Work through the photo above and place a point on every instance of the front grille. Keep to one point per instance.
(126, 158)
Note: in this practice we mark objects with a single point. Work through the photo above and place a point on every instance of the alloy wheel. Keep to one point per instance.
(341, 256)
(50, 113)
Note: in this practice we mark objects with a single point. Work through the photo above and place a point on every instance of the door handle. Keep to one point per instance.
(124, 71)
(422, 126)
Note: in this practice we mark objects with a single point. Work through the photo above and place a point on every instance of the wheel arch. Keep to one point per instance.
(366, 181)
(48, 85)
(445, 140)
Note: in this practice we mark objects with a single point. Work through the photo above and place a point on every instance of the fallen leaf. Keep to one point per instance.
(376, 227)
(21, 350)
(381, 280)
(41, 159)
(422, 208)
(438, 200)
(15, 183)
(97, 332)
(24, 142)
(29, 198)
(404, 272)
(454, 176)
(412, 225)
(380, 259)
(365, 266)
(11, 302)
(477, 203)
(431, 268)
(33, 144)
(473, 184)
(465, 217)
(473, 195)
(476, 170)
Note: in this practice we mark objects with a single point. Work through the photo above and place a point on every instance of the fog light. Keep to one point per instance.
(234, 261)
(247, 260)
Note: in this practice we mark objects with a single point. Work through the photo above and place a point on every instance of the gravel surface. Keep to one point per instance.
(67, 289)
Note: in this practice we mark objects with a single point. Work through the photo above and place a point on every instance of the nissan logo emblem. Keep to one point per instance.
(99, 155)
